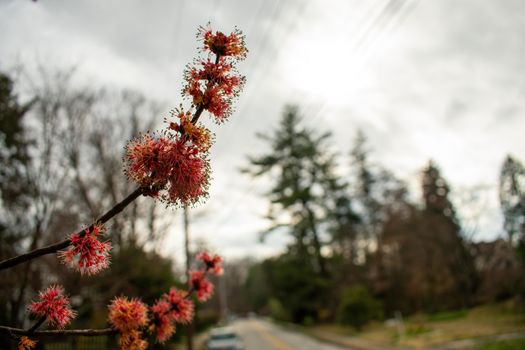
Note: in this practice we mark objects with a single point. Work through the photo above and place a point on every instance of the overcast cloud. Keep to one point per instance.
(440, 79)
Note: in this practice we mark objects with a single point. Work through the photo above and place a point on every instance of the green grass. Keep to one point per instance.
(518, 344)
(429, 330)
(447, 316)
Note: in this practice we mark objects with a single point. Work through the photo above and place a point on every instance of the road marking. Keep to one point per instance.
(270, 338)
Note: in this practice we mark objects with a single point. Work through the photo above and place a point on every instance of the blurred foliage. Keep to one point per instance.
(517, 344)
(357, 307)
(297, 286)
(446, 315)
(132, 274)
(60, 167)
(512, 200)
(362, 243)
(15, 196)
(277, 311)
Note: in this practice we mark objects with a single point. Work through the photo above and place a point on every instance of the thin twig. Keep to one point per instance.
(65, 243)
(36, 325)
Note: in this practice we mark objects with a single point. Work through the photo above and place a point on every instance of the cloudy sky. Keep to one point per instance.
(440, 79)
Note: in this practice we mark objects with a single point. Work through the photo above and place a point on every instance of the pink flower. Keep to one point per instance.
(201, 285)
(127, 314)
(53, 305)
(213, 263)
(163, 322)
(224, 45)
(86, 253)
(181, 306)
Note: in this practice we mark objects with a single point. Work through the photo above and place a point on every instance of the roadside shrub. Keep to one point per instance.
(277, 311)
(357, 307)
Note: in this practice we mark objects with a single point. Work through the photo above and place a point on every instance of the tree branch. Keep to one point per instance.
(17, 332)
(63, 244)
(65, 332)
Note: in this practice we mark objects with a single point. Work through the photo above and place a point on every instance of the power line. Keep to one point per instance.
(387, 15)
(256, 68)
(390, 12)
(252, 184)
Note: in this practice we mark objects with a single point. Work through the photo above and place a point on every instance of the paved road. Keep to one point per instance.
(262, 335)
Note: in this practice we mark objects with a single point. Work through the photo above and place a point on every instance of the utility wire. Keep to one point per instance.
(388, 14)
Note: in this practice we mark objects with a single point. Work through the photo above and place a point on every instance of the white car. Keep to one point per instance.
(224, 338)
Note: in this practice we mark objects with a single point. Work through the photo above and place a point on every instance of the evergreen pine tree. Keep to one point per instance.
(512, 201)
(303, 184)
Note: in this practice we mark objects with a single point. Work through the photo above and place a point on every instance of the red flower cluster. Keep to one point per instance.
(86, 253)
(201, 285)
(128, 316)
(169, 166)
(54, 306)
(223, 45)
(213, 263)
(174, 165)
(173, 307)
(181, 306)
(212, 85)
(162, 322)
(147, 160)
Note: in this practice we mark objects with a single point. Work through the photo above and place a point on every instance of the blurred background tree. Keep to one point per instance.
(61, 167)
(512, 199)
(363, 247)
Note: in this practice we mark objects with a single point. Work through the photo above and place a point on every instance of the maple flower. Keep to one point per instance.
(219, 74)
(132, 340)
(200, 136)
(223, 45)
(163, 322)
(127, 314)
(86, 253)
(213, 263)
(178, 170)
(53, 305)
(201, 285)
(188, 180)
(213, 87)
(146, 160)
(181, 307)
(26, 344)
